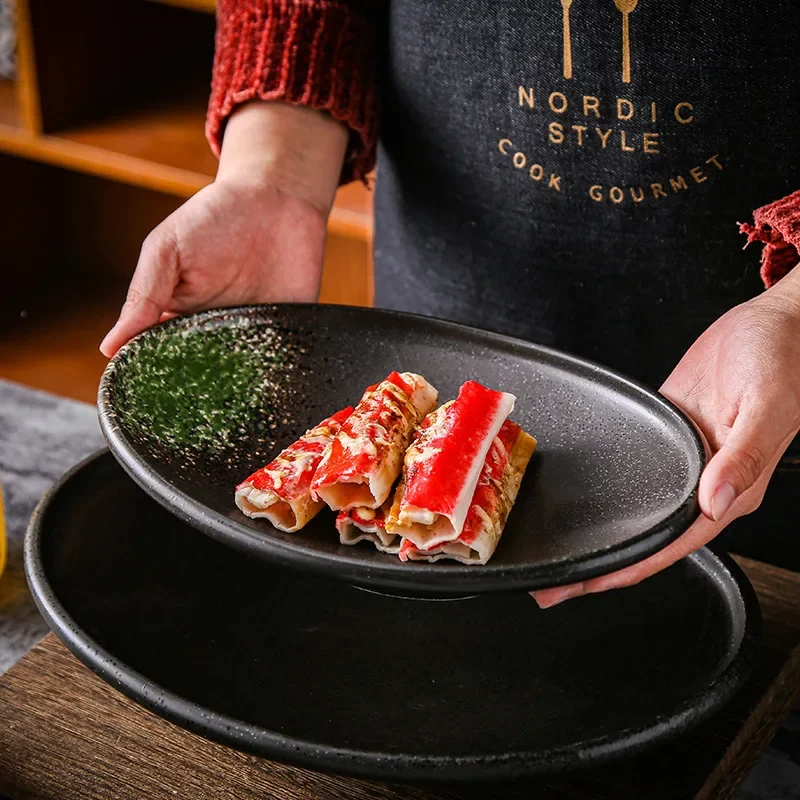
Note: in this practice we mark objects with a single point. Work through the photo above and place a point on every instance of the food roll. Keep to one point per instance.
(368, 525)
(281, 491)
(365, 458)
(494, 497)
(443, 465)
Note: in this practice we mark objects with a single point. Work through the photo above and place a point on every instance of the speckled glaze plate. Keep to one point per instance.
(312, 671)
(193, 406)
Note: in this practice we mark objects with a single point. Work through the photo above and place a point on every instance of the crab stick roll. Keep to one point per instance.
(281, 491)
(444, 463)
(491, 504)
(365, 458)
(367, 525)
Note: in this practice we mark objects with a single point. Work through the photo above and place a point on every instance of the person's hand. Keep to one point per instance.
(255, 235)
(740, 384)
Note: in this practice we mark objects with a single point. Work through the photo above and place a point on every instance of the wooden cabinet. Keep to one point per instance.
(111, 96)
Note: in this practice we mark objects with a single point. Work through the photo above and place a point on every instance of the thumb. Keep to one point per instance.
(753, 446)
(149, 294)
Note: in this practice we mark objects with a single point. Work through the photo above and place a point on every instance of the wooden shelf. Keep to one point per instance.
(143, 127)
(207, 6)
(161, 147)
(168, 138)
(96, 161)
(54, 345)
(101, 143)
(9, 107)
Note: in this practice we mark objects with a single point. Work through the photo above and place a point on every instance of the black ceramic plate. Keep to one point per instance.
(310, 670)
(192, 407)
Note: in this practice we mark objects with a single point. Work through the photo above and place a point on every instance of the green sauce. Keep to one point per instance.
(206, 389)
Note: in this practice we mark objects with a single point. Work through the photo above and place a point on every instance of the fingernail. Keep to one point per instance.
(552, 597)
(722, 501)
(106, 339)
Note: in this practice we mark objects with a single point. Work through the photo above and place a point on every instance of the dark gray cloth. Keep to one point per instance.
(516, 199)
(42, 436)
(488, 210)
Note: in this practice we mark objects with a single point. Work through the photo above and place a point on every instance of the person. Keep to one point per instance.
(569, 172)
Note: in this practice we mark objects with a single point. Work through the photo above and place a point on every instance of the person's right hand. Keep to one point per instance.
(255, 235)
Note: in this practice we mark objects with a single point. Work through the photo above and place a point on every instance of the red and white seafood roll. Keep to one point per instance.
(365, 458)
(281, 491)
(491, 504)
(368, 525)
(444, 463)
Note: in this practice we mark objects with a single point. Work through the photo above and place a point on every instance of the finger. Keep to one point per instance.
(547, 598)
(700, 533)
(756, 441)
(687, 402)
(149, 294)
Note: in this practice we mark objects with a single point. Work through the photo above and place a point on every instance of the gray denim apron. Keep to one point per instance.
(572, 172)
(575, 175)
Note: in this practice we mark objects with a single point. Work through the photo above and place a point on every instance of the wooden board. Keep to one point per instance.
(69, 736)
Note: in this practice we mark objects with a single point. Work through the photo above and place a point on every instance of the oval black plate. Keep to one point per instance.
(312, 671)
(192, 407)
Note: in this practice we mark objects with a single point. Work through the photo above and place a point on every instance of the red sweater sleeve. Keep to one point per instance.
(777, 227)
(319, 53)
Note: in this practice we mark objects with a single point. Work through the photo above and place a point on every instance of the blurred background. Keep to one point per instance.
(102, 111)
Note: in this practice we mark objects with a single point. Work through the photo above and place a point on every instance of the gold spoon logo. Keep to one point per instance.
(625, 7)
(565, 7)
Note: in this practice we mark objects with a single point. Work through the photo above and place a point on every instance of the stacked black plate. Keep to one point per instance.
(343, 658)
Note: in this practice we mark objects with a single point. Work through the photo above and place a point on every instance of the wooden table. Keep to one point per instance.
(67, 735)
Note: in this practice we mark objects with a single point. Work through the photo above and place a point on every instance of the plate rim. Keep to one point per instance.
(247, 737)
(416, 577)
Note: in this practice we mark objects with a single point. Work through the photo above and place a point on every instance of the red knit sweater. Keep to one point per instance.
(321, 53)
(318, 53)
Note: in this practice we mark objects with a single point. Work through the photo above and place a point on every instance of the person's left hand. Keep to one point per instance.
(740, 384)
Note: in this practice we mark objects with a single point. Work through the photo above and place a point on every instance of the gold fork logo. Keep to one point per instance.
(625, 7)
